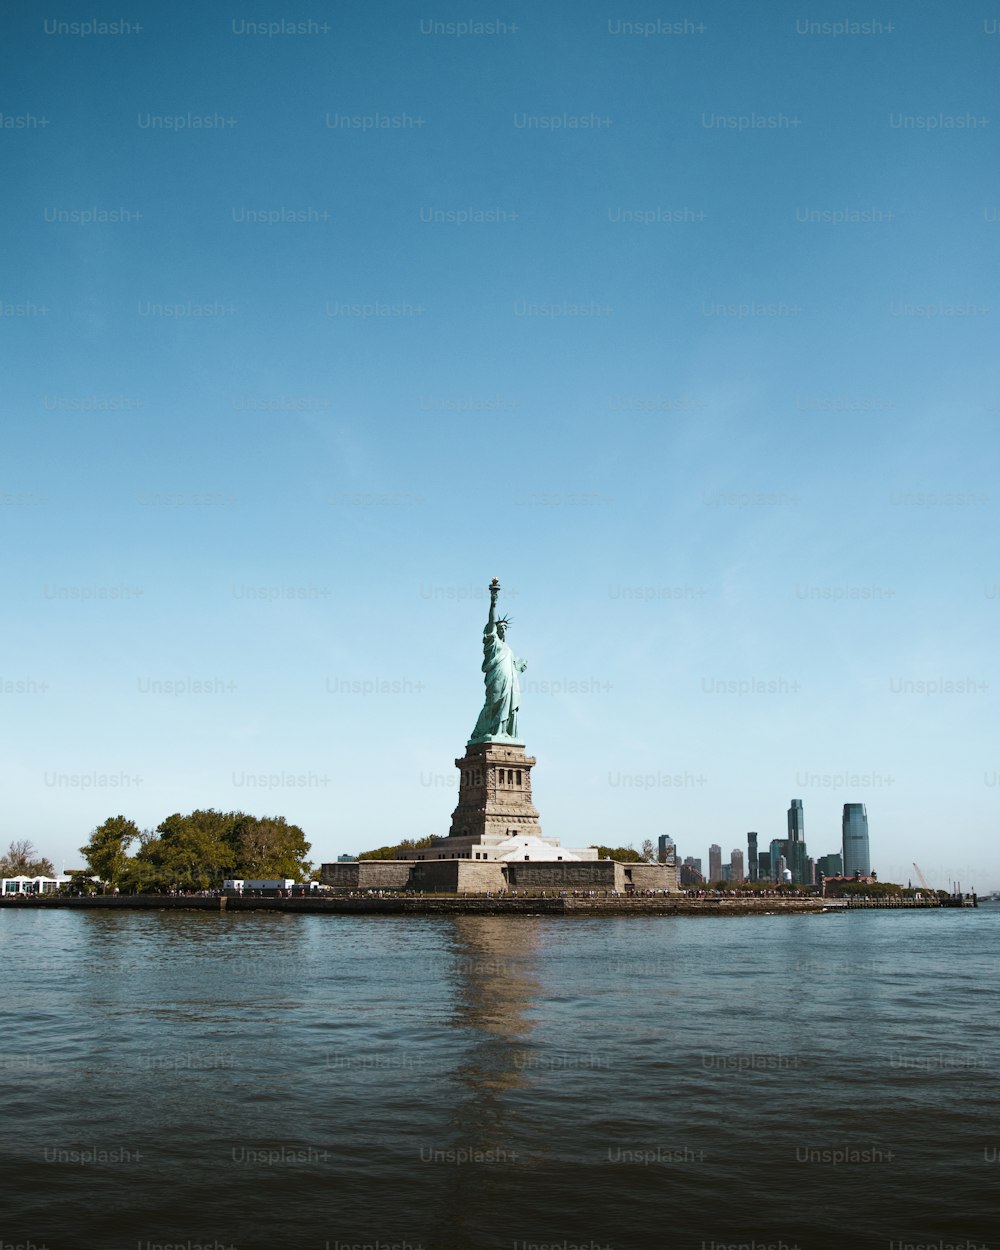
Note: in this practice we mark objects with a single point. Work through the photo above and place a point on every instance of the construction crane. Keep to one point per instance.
(922, 879)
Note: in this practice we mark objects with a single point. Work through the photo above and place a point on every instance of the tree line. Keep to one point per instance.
(193, 852)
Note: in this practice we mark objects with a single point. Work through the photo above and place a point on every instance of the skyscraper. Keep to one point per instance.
(736, 865)
(778, 851)
(798, 860)
(857, 857)
(753, 865)
(665, 849)
(830, 865)
(715, 863)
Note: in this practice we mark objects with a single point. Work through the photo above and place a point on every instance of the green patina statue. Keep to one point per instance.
(498, 719)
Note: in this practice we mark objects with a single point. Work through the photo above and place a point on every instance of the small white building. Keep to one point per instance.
(31, 885)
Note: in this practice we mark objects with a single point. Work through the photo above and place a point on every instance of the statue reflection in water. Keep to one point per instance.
(495, 984)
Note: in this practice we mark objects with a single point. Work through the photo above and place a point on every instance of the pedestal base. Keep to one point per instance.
(494, 792)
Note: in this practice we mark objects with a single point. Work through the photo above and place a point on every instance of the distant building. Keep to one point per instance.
(715, 862)
(763, 865)
(346, 859)
(736, 872)
(857, 856)
(833, 886)
(830, 865)
(31, 885)
(689, 875)
(665, 851)
(753, 860)
(691, 862)
(795, 846)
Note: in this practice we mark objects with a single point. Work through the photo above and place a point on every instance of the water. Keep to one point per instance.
(322, 1082)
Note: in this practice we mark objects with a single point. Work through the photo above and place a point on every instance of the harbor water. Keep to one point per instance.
(253, 1081)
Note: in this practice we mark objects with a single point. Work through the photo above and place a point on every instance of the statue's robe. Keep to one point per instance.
(503, 691)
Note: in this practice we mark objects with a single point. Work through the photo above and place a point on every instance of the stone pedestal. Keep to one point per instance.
(494, 792)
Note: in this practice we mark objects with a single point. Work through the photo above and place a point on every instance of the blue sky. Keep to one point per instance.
(689, 338)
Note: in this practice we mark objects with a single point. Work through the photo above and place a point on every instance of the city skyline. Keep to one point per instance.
(791, 852)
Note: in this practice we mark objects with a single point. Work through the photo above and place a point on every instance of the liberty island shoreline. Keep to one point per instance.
(522, 905)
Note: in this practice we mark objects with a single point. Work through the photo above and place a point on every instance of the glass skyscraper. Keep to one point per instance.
(795, 844)
(777, 852)
(857, 857)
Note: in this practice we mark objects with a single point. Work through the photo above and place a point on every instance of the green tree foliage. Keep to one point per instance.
(871, 889)
(22, 860)
(190, 853)
(106, 853)
(269, 847)
(392, 852)
(197, 851)
(80, 882)
(624, 854)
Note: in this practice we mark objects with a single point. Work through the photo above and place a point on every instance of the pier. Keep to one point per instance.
(953, 900)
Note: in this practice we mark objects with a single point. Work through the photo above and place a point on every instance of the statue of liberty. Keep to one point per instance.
(498, 719)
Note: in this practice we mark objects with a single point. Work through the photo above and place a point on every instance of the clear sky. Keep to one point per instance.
(679, 319)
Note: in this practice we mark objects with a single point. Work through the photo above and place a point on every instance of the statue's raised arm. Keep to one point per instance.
(491, 620)
(498, 719)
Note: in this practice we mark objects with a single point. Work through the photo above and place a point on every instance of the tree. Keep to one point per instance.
(648, 851)
(23, 860)
(199, 850)
(196, 851)
(80, 882)
(140, 877)
(392, 852)
(872, 889)
(191, 852)
(624, 854)
(267, 847)
(106, 852)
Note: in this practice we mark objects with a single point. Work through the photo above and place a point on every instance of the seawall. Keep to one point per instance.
(448, 905)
